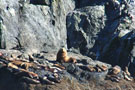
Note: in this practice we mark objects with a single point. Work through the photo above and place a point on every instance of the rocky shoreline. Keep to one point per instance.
(99, 36)
(43, 69)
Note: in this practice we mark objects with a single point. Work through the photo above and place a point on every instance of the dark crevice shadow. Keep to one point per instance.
(39, 2)
(83, 3)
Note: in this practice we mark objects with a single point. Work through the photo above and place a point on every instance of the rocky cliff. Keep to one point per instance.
(34, 25)
(100, 29)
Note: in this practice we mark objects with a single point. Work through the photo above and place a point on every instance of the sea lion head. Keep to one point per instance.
(63, 50)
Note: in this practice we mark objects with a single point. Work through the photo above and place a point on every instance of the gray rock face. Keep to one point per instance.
(34, 26)
(131, 10)
(83, 25)
(115, 42)
(91, 28)
(104, 31)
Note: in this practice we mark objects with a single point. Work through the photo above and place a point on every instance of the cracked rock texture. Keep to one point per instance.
(34, 25)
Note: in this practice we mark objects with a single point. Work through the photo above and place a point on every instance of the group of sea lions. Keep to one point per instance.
(31, 68)
(50, 74)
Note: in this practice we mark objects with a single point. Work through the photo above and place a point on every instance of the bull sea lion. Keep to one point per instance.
(62, 56)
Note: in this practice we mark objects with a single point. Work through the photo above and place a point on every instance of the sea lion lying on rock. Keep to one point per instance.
(62, 56)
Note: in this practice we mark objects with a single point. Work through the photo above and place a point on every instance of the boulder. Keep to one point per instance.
(83, 25)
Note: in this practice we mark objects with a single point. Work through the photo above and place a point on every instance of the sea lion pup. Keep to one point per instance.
(62, 56)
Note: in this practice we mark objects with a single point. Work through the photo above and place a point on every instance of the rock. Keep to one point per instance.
(83, 61)
(53, 79)
(31, 58)
(83, 26)
(24, 56)
(38, 55)
(83, 74)
(116, 41)
(14, 56)
(29, 80)
(2, 64)
(34, 28)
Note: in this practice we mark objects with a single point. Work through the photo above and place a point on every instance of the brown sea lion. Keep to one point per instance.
(62, 56)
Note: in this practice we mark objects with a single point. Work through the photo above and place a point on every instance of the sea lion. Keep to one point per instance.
(62, 56)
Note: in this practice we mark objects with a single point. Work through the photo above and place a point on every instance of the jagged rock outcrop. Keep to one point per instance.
(91, 27)
(103, 30)
(83, 25)
(118, 38)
